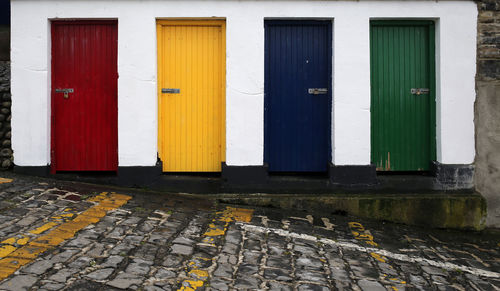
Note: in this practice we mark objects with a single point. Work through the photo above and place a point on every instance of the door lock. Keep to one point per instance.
(171, 90)
(419, 91)
(65, 91)
(317, 91)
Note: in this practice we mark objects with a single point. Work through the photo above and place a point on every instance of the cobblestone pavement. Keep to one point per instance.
(70, 236)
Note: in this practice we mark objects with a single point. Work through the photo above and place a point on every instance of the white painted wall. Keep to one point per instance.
(137, 104)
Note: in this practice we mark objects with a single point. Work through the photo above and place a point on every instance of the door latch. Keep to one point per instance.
(171, 90)
(419, 91)
(65, 91)
(317, 91)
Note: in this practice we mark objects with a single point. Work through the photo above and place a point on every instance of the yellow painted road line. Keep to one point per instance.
(16, 240)
(241, 214)
(26, 254)
(11, 244)
(44, 227)
(197, 276)
(6, 250)
(5, 180)
(361, 233)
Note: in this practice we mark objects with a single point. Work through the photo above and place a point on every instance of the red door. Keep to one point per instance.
(84, 96)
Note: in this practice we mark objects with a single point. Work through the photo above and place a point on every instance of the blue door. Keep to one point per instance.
(298, 58)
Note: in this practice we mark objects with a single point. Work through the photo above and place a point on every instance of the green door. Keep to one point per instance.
(403, 126)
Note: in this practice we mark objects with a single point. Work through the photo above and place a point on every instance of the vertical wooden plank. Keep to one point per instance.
(222, 87)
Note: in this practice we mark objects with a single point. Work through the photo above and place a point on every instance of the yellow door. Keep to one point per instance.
(191, 94)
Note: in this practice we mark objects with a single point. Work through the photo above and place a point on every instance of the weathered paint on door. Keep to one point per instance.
(403, 123)
(84, 121)
(191, 58)
(297, 123)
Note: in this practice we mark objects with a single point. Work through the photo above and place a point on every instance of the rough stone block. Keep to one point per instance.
(488, 70)
(23, 282)
(100, 274)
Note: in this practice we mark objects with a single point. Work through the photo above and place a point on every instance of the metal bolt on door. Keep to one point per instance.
(402, 95)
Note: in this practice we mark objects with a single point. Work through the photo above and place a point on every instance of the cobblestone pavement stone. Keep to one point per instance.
(71, 236)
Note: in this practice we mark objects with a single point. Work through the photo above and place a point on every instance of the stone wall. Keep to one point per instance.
(487, 109)
(6, 157)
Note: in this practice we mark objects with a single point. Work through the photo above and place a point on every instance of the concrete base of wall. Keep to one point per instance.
(237, 176)
(353, 175)
(138, 176)
(415, 200)
(438, 210)
(454, 176)
(234, 176)
(39, 171)
(255, 179)
(487, 178)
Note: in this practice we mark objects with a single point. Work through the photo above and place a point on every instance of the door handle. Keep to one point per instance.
(65, 91)
(171, 90)
(317, 91)
(419, 91)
